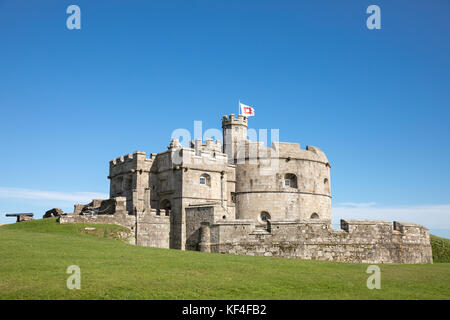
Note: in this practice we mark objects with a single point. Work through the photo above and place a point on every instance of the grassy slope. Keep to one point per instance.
(34, 257)
(441, 249)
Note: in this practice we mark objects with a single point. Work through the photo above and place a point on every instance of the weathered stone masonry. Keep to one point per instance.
(358, 241)
(241, 197)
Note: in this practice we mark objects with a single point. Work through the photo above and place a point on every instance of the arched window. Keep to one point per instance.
(205, 180)
(264, 216)
(165, 207)
(314, 216)
(290, 180)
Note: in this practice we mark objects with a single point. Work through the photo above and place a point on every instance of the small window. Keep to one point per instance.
(205, 180)
(290, 180)
(314, 216)
(264, 216)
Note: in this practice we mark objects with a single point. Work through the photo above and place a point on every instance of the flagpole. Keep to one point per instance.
(239, 107)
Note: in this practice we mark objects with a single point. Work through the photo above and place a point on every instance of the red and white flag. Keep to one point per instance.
(246, 110)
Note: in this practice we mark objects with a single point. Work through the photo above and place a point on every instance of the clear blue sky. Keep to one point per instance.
(376, 101)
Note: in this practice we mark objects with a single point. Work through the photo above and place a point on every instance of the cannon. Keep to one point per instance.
(21, 216)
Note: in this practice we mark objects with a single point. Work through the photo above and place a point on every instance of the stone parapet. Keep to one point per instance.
(358, 241)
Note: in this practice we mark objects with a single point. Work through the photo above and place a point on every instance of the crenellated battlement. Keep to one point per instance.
(247, 149)
(364, 241)
(375, 229)
(231, 119)
(157, 213)
(358, 229)
(117, 161)
(203, 154)
(209, 146)
(128, 158)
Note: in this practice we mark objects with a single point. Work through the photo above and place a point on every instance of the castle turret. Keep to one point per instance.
(234, 133)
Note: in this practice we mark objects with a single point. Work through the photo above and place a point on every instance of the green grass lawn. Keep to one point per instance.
(34, 257)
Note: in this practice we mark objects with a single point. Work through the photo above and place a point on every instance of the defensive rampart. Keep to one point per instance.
(364, 241)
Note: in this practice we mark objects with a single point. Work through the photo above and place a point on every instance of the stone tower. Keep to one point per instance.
(234, 133)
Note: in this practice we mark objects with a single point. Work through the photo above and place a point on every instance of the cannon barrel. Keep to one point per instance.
(19, 214)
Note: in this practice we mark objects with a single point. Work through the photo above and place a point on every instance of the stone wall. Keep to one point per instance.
(152, 225)
(363, 241)
(198, 214)
(153, 229)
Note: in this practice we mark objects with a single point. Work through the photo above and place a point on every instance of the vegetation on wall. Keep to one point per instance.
(440, 248)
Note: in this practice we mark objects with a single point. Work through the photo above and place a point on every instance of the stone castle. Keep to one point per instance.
(241, 197)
